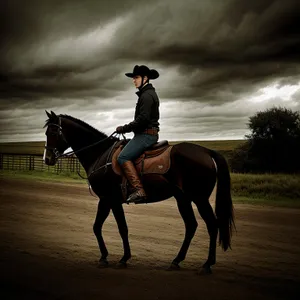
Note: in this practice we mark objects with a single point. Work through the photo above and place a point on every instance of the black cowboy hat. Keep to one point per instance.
(143, 71)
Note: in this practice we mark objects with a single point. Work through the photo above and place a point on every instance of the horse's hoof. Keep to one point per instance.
(173, 267)
(121, 265)
(206, 270)
(103, 263)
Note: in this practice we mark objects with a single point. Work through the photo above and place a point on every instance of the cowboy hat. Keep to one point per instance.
(143, 71)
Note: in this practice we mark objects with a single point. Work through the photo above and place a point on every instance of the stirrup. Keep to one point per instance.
(136, 198)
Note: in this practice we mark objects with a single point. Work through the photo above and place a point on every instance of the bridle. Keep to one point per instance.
(59, 133)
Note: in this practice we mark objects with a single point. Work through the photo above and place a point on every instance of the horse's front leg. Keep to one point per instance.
(119, 215)
(102, 214)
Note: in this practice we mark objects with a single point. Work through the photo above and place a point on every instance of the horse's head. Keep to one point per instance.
(56, 143)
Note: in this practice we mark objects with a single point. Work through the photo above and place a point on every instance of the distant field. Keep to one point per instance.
(23, 147)
(227, 145)
(38, 147)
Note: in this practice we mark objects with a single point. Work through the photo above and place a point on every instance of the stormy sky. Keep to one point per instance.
(219, 62)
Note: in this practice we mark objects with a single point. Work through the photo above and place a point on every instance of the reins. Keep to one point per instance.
(87, 147)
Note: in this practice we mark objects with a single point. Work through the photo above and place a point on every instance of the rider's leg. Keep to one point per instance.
(133, 149)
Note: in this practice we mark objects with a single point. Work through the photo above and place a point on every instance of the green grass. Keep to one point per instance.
(269, 189)
(266, 185)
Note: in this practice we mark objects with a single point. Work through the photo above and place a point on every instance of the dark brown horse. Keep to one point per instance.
(199, 169)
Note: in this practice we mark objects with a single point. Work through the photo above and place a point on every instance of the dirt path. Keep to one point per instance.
(48, 250)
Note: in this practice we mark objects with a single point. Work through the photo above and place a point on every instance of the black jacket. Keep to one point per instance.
(146, 111)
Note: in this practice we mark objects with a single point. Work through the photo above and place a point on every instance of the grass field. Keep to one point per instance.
(38, 147)
(268, 189)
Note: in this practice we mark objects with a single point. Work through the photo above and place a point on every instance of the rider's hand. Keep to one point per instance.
(119, 129)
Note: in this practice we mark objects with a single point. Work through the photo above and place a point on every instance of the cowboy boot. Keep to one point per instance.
(132, 176)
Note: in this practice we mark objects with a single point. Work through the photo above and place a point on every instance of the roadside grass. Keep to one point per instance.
(266, 189)
(279, 190)
(266, 185)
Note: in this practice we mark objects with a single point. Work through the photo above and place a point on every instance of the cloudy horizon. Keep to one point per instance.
(220, 62)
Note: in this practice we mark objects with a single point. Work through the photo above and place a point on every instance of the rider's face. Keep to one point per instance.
(137, 80)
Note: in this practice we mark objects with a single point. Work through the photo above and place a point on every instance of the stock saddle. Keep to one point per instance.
(151, 165)
(155, 159)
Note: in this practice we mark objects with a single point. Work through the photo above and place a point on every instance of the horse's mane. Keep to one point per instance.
(84, 124)
(93, 130)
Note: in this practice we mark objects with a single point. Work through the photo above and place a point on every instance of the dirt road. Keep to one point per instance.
(48, 250)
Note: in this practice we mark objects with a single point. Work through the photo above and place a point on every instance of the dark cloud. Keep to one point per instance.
(238, 43)
(56, 82)
(71, 56)
(25, 22)
(39, 55)
(215, 46)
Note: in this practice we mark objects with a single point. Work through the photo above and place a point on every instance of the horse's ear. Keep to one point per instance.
(54, 116)
(49, 116)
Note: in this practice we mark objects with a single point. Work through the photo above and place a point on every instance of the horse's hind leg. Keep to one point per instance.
(188, 216)
(209, 218)
(102, 214)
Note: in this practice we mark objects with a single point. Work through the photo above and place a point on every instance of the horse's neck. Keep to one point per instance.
(79, 137)
(88, 157)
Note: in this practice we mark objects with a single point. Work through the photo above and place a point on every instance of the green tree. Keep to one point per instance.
(275, 124)
(273, 144)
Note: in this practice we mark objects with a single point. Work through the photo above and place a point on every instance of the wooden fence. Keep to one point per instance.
(30, 162)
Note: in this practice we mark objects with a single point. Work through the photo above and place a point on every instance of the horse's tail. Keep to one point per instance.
(223, 207)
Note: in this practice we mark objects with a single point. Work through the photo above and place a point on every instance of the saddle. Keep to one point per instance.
(155, 160)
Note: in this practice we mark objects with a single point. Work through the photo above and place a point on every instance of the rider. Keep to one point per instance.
(145, 127)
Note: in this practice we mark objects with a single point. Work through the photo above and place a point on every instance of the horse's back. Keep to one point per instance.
(193, 155)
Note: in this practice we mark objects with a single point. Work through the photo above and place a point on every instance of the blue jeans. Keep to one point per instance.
(136, 146)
